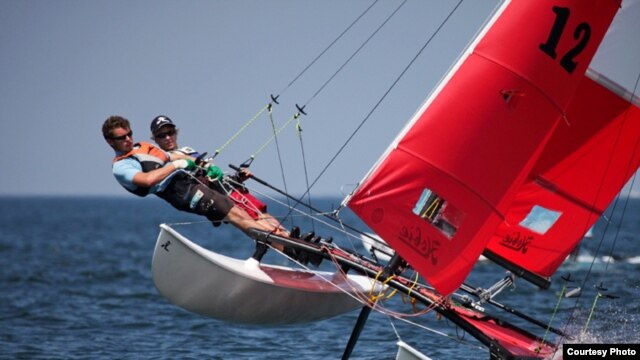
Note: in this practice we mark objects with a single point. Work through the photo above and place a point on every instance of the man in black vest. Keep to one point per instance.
(143, 168)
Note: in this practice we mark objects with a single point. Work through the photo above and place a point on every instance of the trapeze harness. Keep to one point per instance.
(149, 157)
(236, 191)
(184, 191)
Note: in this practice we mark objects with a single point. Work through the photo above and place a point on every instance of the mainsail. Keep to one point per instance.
(448, 182)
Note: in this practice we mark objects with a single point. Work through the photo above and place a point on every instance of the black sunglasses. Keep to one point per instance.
(122, 137)
(163, 135)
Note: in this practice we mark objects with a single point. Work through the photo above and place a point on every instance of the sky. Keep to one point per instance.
(211, 66)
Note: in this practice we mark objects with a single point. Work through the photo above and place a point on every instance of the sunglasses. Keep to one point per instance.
(163, 135)
(122, 137)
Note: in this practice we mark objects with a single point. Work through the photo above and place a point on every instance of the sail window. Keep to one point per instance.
(438, 212)
(540, 219)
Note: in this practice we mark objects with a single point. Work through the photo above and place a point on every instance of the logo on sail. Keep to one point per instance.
(517, 242)
(425, 246)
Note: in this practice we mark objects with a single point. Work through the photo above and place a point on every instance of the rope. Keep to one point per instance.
(359, 295)
(301, 108)
(276, 133)
(619, 226)
(326, 49)
(463, 342)
(633, 180)
(354, 54)
(375, 107)
(304, 166)
(275, 137)
(374, 298)
(593, 308)
(555, 310)
(274, 98)
(241, 130)
(613, 208)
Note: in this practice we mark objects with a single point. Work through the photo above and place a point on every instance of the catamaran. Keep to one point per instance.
(513, 156)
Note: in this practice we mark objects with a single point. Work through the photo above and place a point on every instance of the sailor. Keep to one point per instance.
(142, 168)
(165, 133)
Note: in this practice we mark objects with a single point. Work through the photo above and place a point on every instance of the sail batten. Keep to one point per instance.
(553, 188)
(441, 192)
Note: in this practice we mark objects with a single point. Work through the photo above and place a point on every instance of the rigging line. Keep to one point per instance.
(375, 107)
(330, 215)
(327, 48)
(593, 308)
(194, 222)
(599, 295)
(275, 137)
(242, 128)
(315, 218)
(633, 180)
(619, 226)
(553, 315)
(584, 281)
(449, 336)
(394, 329)
(357, 295)
(278, 131)
(360, 296)
(306, 172)
(354, 54)
(300, 109)
(613, 208)
(274, 98)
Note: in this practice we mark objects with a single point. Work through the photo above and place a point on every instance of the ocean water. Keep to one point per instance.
(75, 283)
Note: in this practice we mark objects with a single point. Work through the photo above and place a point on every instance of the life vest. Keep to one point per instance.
(150, 158)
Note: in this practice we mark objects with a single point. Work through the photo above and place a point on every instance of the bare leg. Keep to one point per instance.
(272, 222)
(243, 221)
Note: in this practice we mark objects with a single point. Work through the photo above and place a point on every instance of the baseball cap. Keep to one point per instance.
(160, 121)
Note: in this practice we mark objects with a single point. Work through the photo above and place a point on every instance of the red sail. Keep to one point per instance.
(584, 166)
(587, 161)
(440, 193)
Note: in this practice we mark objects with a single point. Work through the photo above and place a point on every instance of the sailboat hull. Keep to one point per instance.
(239, 291)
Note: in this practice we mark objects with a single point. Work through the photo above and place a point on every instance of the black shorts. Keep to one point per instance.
(187, 194)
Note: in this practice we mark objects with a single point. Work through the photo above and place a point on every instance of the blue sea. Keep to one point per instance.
(75, 283)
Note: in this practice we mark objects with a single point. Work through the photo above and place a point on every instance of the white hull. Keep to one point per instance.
(221, 287)
(406, 352)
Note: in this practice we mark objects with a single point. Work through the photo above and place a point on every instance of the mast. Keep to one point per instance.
(392, 268)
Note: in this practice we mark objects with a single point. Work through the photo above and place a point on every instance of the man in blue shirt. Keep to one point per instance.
(143, 168)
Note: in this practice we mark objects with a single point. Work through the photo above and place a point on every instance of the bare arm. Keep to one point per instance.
(175, 155)
(153, 177)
